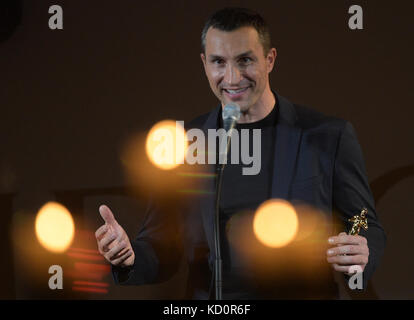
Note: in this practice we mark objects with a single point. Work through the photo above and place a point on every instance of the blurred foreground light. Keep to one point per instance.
(275, 223)
(166, 144)
(54, 227)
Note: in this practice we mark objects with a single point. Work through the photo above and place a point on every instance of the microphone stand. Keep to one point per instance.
(218, 267)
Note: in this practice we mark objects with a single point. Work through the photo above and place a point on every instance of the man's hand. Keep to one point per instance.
(113, 242)
(349, 251)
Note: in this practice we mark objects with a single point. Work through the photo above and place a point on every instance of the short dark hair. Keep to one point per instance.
(229, 19)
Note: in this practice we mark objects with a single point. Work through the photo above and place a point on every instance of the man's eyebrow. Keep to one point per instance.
(244, 54)
(214, 57)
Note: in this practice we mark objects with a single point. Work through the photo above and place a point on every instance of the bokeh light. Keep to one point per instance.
(275, 223)
(54, 227)
(166, 144)
(286, 252)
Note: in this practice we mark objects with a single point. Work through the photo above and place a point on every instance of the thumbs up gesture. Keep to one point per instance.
(113, 242)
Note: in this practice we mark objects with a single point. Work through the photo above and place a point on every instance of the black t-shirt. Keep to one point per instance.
(244, 193)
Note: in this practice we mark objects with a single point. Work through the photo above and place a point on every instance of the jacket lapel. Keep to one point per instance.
(286, 149)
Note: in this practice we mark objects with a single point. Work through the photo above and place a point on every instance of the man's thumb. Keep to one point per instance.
(107, 215)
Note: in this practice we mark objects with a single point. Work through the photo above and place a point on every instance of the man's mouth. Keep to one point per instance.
(235, 92)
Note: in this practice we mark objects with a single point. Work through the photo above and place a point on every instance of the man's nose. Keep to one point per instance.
(232, 75)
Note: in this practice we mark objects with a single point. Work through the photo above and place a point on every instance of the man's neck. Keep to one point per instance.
(260, 109)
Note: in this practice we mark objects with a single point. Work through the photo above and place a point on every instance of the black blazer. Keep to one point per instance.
(318, 160)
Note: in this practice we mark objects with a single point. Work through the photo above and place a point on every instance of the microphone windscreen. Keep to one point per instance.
(231, 111)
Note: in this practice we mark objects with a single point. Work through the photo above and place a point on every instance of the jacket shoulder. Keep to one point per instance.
(197, 122)
(309, 119)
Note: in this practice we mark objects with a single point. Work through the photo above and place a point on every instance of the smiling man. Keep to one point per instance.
(305, 157)
(237, 64)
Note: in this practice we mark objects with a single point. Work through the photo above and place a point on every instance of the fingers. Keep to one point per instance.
(101, 232)
(347, 249)
(106, 237)
(122, 258)
(350, 270)
(115, 250)
(111, 254)
(344, 269)
(343, 238)
(348, 252)
(118, 251)
(348, 260)
(107, 240)
(107, 215)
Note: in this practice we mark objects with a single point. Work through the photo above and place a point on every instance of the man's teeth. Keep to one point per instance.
(235, 91)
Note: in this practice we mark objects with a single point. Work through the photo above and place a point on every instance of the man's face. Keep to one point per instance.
(236, 66)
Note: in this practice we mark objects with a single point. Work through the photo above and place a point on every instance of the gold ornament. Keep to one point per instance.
(358, 222)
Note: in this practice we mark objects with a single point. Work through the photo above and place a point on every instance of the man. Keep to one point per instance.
(305, 156)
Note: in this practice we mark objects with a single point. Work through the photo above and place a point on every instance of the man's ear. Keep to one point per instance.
(203, 58)
(271, 58)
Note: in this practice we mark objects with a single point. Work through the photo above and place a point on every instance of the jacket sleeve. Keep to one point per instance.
(351, 193)
(157, 248)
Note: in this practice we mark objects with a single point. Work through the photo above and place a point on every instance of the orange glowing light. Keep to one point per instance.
(92, 267)
(85, 256)
(90, 283)
(90, 290)
(275, 223)
(166, 144)
(54, 227)
(91, 251)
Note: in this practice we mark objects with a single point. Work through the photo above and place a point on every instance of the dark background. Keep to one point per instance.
(71, 98)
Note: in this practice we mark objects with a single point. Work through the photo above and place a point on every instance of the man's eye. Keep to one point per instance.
(245, 60)
(218, 61)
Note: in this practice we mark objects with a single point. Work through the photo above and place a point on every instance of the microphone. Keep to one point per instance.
(231, 114)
